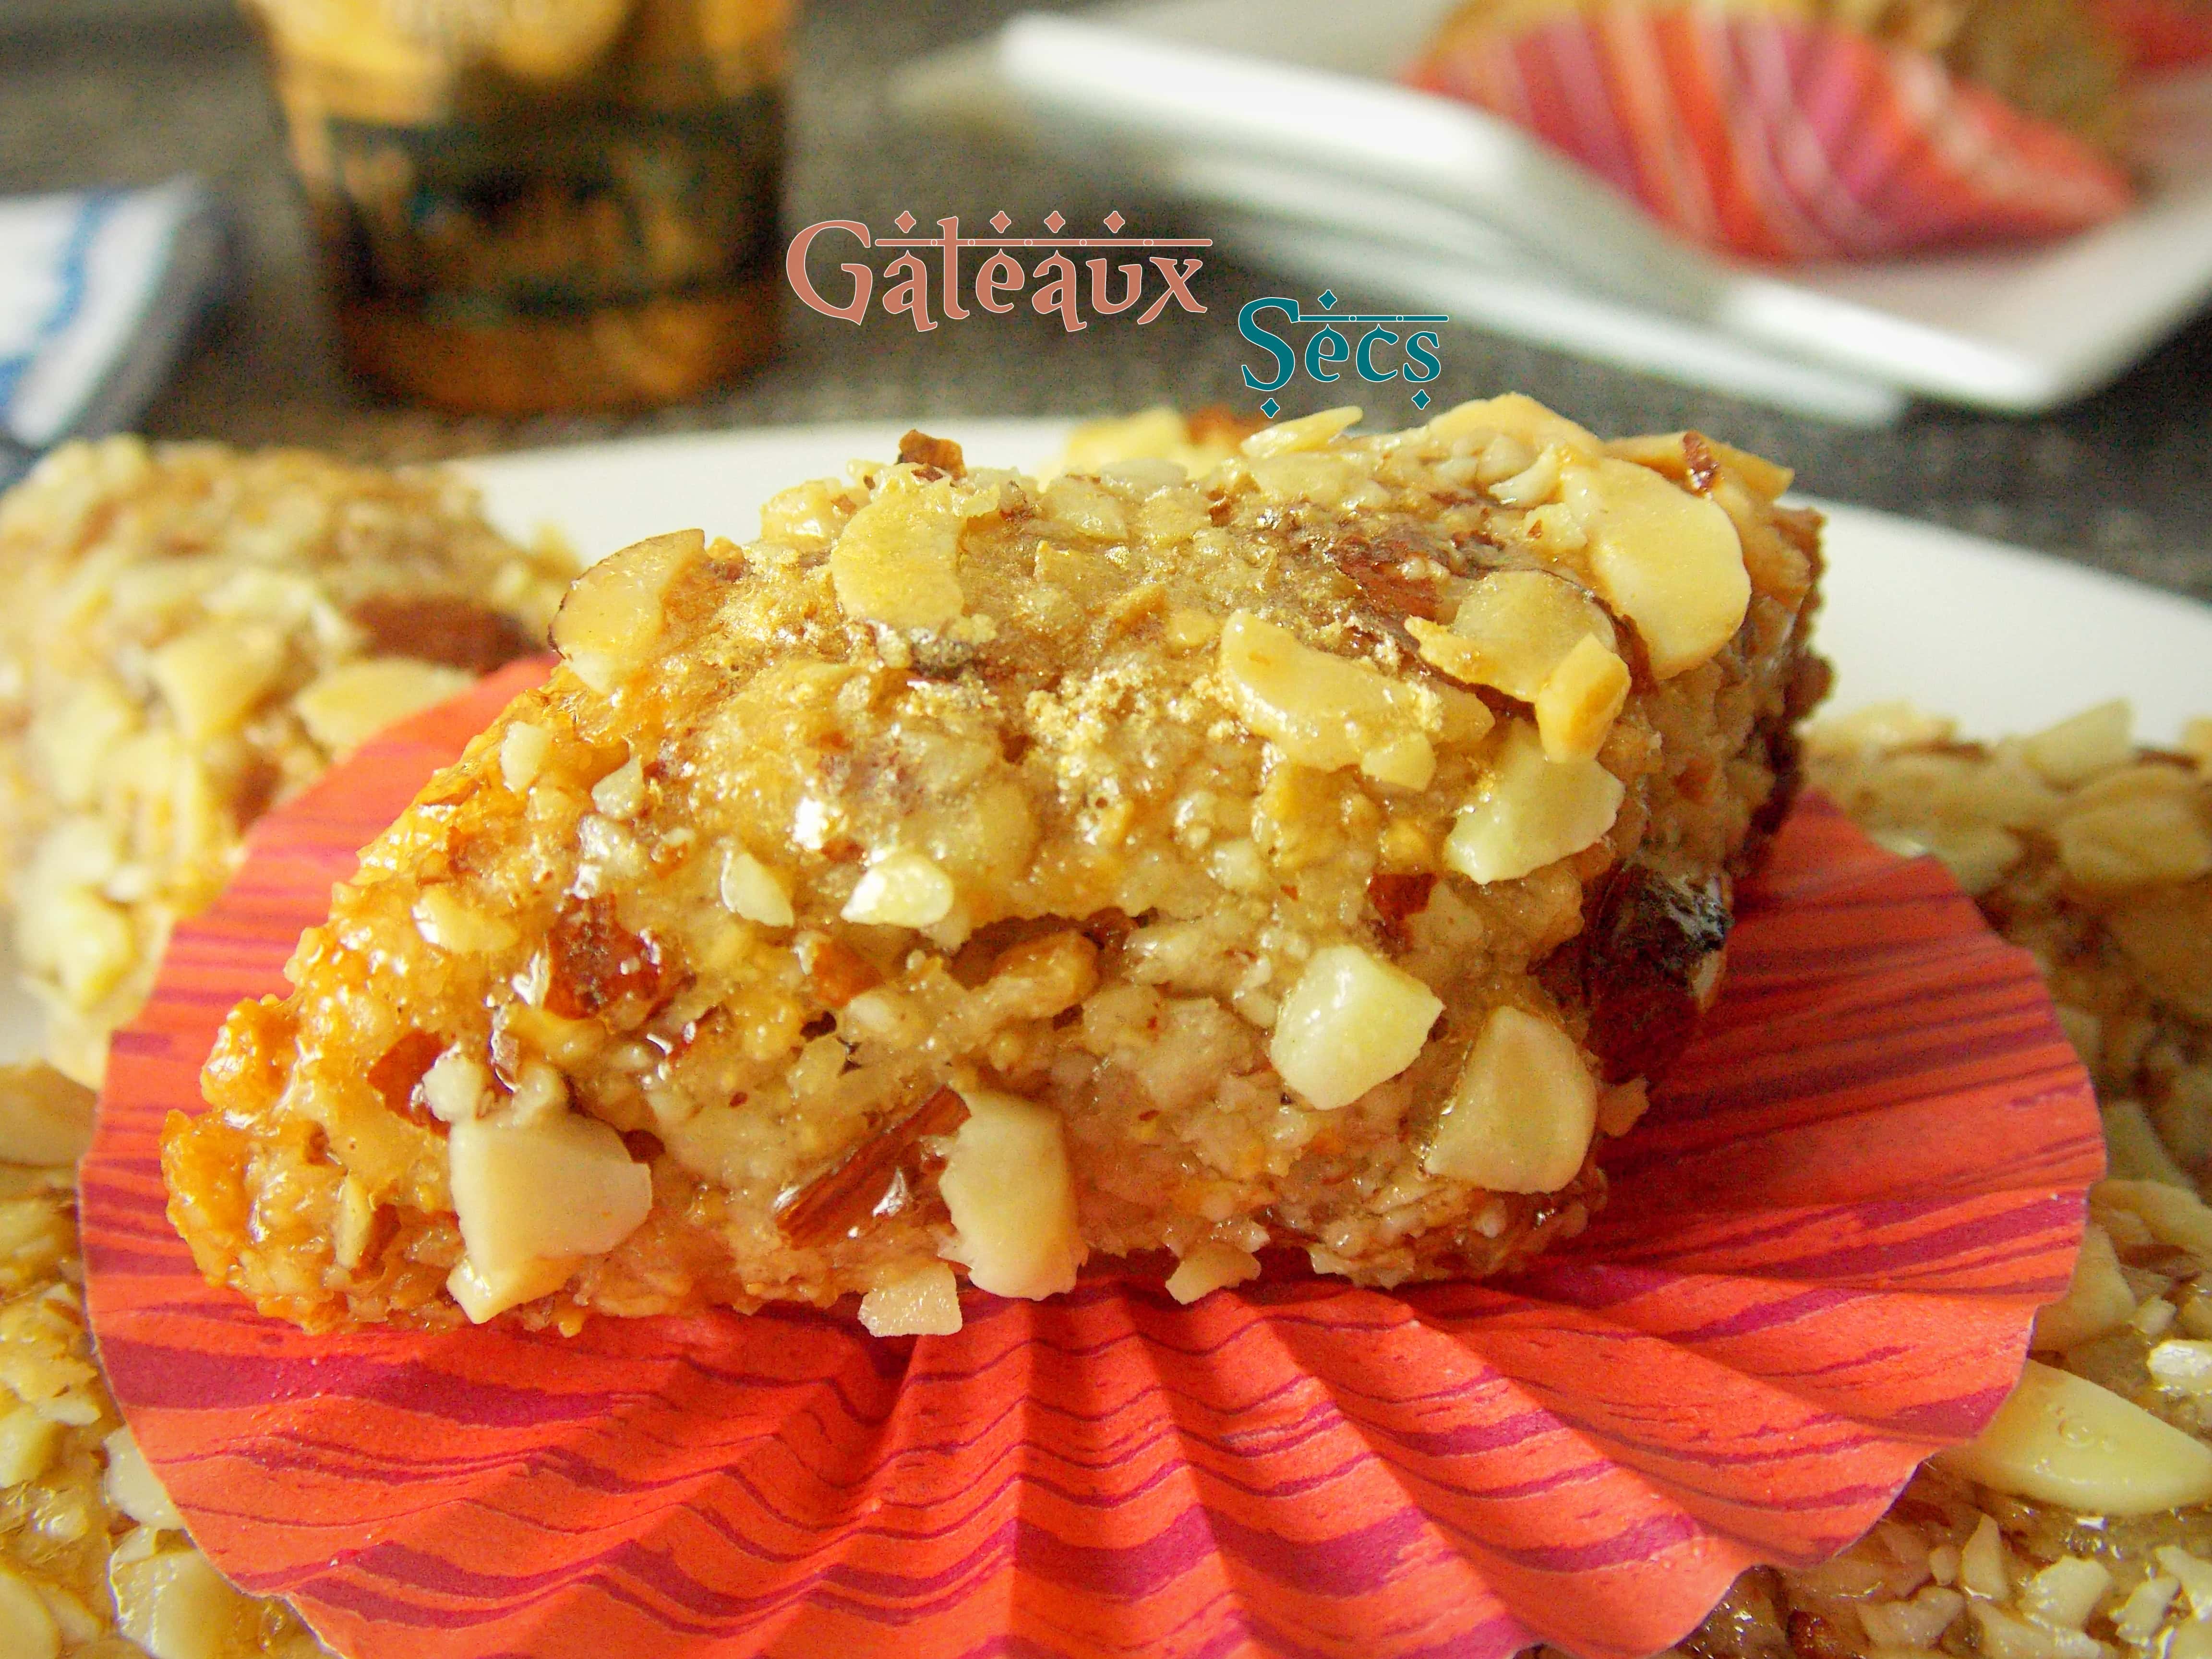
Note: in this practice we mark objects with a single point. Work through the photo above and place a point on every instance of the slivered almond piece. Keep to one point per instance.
(45, 1117)
(1513, 632)
(527, 1194)
(350, 704)
(1352, 1021)
(1011, 1196)
(28, 1630)
(614, 613)
(1323, 711)
(924, 1300)
(1515, 416)
(2097, 1298)
(212, 677)
(176, 1605)
(1532, 811)
(1575, 709)
(2081, 746)
(1522, 1112)
(902, 889)
(2062, 1439)
(1669, 561)
(750, 889)
(1313, 431)
(898, 560)
(1211, 1267)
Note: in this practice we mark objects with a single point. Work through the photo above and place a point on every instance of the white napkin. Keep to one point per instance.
(99, 292)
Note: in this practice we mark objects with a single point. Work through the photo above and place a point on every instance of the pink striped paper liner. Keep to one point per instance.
(1822, 1257)
(1779, 139)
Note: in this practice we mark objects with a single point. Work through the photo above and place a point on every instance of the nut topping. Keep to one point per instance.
(1352, 1021)
(1012, 1198)
(1669, 562)
(1522, 1114)
(1532, 811)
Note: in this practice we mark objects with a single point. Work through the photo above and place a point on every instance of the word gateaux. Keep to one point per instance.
(1058, 286)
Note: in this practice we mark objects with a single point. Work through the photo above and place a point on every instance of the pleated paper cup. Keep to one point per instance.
(1780, 139)
(1819, 1264)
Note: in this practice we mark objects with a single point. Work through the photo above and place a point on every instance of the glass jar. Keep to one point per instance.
(536, 205)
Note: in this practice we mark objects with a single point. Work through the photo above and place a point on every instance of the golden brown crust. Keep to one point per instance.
(953, 778)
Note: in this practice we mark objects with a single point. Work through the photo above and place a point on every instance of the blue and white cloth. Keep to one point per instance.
(99, 290)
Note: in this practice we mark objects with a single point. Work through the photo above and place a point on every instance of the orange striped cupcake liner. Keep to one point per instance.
(1783, 139)
(1824, 1251)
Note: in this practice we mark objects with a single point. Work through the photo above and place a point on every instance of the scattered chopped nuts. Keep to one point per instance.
(1575, 710)
(922, 1302)
(902, 889)
(750, 889)
(533, 1197)
(1211, 1267)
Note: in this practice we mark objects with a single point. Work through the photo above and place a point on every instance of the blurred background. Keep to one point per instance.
(103, 93)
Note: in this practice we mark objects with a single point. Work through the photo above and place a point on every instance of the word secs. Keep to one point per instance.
(1375, 358)
(1053, 283)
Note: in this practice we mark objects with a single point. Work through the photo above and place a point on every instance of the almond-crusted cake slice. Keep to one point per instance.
(970, 875)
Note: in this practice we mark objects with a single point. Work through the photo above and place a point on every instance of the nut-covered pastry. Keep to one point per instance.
(192, 634)
(970, 875)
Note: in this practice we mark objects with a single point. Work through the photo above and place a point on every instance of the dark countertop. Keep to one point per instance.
(2123, 479)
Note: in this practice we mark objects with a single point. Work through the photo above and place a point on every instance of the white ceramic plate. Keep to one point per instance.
(2005, 639)
(1282, 123)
